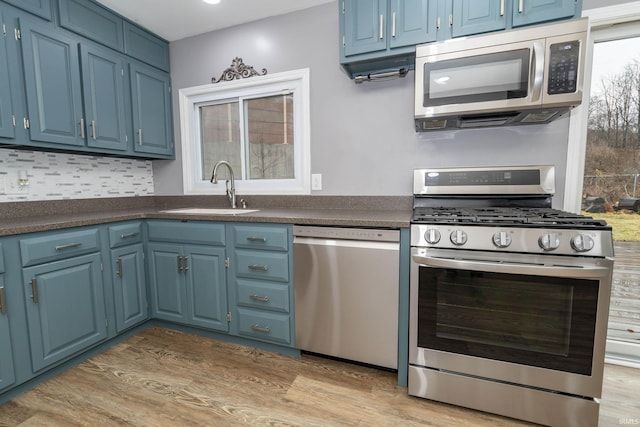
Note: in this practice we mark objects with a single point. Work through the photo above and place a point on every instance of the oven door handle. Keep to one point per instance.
(509, 267)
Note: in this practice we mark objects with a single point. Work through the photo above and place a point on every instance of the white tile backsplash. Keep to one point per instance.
(55, 176)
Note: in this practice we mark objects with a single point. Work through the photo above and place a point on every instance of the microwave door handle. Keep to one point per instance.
(537, 71)
(582, 272)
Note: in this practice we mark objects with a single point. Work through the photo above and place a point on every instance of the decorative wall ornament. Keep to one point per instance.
(238, 70)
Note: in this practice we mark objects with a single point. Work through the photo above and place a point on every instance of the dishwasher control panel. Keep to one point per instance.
(346, 233)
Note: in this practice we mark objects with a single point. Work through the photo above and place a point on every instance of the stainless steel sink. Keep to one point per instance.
(210, 211)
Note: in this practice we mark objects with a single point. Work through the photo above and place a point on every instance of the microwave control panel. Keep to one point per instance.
(563, 67)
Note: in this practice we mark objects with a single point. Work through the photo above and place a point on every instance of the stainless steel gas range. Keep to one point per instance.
(509, 298)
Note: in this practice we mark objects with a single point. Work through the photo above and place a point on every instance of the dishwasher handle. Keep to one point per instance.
(367, 244)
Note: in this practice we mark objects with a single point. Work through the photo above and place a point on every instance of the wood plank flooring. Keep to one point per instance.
(162, 377)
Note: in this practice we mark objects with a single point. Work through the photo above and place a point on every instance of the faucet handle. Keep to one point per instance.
(243, 202)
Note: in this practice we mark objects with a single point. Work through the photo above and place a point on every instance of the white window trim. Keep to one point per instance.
(601, 23)
(296, 81)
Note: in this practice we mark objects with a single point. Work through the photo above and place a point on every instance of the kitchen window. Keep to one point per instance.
(259, 125)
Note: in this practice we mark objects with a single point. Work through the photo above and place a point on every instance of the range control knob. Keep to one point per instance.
(549, 242)
(582, 243)
(458, 237)
(432, 236)
(502, 239)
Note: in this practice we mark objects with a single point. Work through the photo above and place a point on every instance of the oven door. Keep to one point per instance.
(517, 318)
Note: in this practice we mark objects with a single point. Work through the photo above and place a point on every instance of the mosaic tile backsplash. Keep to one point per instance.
(34, 175)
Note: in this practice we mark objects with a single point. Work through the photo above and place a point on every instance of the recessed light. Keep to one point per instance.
(211, 1)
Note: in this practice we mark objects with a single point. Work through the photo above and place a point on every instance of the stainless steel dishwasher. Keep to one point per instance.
(346, 293)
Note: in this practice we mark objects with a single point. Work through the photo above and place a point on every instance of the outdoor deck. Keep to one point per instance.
(624, 314)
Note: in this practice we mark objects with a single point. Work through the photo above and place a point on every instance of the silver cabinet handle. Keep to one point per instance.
(82, 128)
(381, 27)
(139, 136)
(119, 264)
(93, 129)
(3, 301)
(259, 298)
(128, 235)
(520, 6)
(255, 267)
(68, 246)
(259, 328)
(34, 290)
(393, 24)
(501, 7)
(257, 239)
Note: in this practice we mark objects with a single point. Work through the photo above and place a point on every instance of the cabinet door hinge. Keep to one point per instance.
(344, 41)
(106, 323)
(26, 123)
(17, 34)
(227, 262)
(343, 8)
(451, 20)
(13, 120)
(438, 23)
(4, 29)
(229, 317)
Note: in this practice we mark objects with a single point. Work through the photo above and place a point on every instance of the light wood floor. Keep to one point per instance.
(166, 378)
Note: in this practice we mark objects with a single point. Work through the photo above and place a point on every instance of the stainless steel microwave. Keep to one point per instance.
(525, 76)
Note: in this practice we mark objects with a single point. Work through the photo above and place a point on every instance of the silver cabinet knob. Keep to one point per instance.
(458, 237)
(502, 239)
(432, 236)
(582, 243)
(549, 242)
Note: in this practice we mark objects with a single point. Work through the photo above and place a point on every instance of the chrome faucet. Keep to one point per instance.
(231, 193)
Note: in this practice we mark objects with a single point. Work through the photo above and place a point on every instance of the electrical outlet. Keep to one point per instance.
(316, 181)
(12, 186)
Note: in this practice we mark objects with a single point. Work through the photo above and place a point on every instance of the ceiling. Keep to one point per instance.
(177, 19)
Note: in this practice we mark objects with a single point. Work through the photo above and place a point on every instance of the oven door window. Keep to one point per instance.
(539, 321)
(482, 78)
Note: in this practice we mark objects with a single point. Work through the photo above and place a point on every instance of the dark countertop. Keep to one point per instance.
(347, 211)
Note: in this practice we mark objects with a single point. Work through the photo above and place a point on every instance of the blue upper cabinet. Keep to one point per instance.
(364, 26)
(146, 47)
(527, 12)
(52, 79)
(92, 21)
(41, 8)
(104, 98)
(478, 16)
(412, 22)
(151, 108)
(7, 129)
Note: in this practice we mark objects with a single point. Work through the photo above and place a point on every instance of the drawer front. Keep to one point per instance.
(262, 265)
(56, 246)
(201, 233)
(266, 296)
(264, 325)
(257, 237)
(125, 234)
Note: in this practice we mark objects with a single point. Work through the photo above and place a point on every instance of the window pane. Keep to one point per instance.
(270, 137)
(220, 133)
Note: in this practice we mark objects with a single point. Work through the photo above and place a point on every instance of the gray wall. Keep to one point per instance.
(362, 137)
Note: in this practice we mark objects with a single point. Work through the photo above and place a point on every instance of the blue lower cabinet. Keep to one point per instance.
(7, 373)
(265, 326)
(188, 285)
(130, 288)
(64, 307)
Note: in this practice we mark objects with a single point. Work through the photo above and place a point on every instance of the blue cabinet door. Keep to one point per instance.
(65, 308)
(6, 106)
(104, 94)
(52, 79)
(478, 16)
(527, 12)
(168, 293)
(364, 26)
(412, 22)
(206, 287)
(130, 290)
(7, 373)
(41, 8)
(151, 108)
